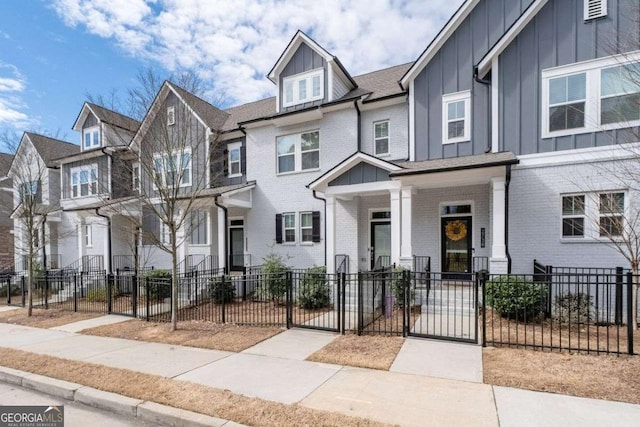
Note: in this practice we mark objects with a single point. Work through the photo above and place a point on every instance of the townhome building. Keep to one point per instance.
(7, 254)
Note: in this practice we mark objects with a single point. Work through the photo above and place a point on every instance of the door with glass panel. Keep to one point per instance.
(456, 246)
(236, 243)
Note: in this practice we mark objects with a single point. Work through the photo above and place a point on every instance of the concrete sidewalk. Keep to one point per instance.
(275, 370)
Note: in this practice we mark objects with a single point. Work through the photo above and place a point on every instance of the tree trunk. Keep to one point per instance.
(31, 271)
(174, 282)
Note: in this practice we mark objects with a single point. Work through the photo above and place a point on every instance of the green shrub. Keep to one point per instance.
(315, 291)
(275, 277)
(516, 297)
(221, 290)
(574, 308)
(158, 284)
(100, 295)
(398, 286)
(16, 290)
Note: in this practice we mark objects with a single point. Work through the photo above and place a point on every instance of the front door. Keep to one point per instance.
(380, 244)
(236, 237)
(456, 246)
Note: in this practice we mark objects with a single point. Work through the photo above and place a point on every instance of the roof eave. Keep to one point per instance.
(408, 172)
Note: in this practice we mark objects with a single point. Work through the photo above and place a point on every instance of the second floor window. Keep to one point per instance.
(28, 190)
(304, 87)
(84, 181)
(381, 137)
(135, 176)
(173, 170)
(567, 96)
(235, 166)
(298, 152)
(91, 137)
(456, 117)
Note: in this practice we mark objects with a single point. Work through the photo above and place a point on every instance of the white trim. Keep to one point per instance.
(179, 172)
(450, 98)
(412, 121)
(388, 137)
(591, 231)
(88, 235)
(330, 83)
(581, 155)
(591, 4)
(285, 228)
(495, 105)
(300, 227)
(231, 147)
(291, 49)
(94, 133)
(348, 164)
(89, 170)
(297, 153)
(356, 189)
(171, 115)
(486, 63)
(307, 77)
(370, 221)
(433, 48)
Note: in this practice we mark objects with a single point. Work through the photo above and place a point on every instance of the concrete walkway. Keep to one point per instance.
(109, 319)
(8, 308)
(274, 370)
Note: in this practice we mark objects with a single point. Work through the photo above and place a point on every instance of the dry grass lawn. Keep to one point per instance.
(375, 352)
(44, 318)
(598, 377)
(216, 336)
(179, 394)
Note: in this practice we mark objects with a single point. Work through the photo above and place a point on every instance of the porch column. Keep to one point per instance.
(107, 243)
(182, 244)
(406, 249)
(330, 238)
(396, 221)
(498, 262)
(222, 239)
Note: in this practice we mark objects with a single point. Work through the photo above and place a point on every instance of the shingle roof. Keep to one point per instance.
(456, 163)
(5, 163)
(212, 116)
(114, 118)
(378, 84)
(50, 148)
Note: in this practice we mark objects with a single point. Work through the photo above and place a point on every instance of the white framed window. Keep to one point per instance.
(298, 152)
(594, 9)
(235, 165)
(165, 234)
(199, 227)
(135, 176)
(306, 227)
(289, 227)
(172, 170)
(303, 87)
(84, 181)
(91, 137)
(88, 235)
(456, 117)
(591, 96)
(28, 190)
(171, 116)
(381, 137)
(593, 215)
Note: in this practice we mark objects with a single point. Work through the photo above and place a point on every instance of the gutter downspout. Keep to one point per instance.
(108, 238)
(506, 218)
(359, 124)
(226, 234)
(486, 83)
(315, 196)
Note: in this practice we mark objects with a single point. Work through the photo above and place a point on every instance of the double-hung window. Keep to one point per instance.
(165, 234)
(135, 176)
(593, 215)
(298, 152)
(306, 227)
(381, 137)
(304, 87)
(84, 181)
(235, 166)
(590, 96)
(456, 117)
(573, 216)
(88, 235)
(91, 137)
(289, 227)
(173, 170)
(611, 212)
(28, 190)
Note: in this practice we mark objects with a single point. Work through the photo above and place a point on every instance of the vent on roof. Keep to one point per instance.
(594, 9)
(171, 116)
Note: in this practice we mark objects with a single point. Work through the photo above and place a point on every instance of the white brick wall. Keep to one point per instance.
(398, 130)
(347, 217)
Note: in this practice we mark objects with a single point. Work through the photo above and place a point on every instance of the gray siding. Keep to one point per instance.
(305, 59)
(103, 177)
(90, 121)
(220, 167)
(360, 174)
(451, 70)
(557, 36)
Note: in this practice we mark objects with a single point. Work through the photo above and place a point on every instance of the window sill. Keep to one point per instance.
(297, 172)
(199, 245)
(455, 141)
(288, 243)
(306, 243)
(570, 240)
(235, 175)
(382, 154)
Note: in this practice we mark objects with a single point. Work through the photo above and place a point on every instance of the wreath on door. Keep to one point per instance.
(456, 230)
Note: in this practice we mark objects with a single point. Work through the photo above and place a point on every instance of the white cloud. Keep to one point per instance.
(12, 106)
(233, 44)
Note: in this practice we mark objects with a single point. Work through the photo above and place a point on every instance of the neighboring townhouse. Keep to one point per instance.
(36, 183)
(6, 223)
(93, 232)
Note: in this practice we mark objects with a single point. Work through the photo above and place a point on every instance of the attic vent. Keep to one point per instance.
(594, 9)
(171, 116)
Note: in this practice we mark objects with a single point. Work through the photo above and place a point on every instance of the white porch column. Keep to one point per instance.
(183, 251)
(330, 238)
(396, 221)
(222, 239)
(107, 260)
(498, 262)
(406, 248)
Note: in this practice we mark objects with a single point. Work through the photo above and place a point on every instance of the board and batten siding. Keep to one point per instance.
(103, 174)
(303, 60)
(558, 35)
(451, 71)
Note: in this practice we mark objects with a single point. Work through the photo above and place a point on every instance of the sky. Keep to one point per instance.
(53, 53)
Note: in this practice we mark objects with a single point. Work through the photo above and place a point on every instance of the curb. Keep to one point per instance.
(145, 411)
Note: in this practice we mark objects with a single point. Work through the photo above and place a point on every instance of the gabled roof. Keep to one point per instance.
(450, 27)
(485, 63)
(5, 163)
(374, 86)
(484, 160)
(213, 117)
(50, 148)
(106, 116)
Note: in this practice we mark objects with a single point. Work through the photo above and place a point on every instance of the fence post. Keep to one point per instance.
(109, 292)
(289, 298)
(630, 314)
(134, 296)
(75, 293)
(338, 301)
(146, 296)
(360, 308)
(46, 290)
(482, 277)
(223, 287)
(342, 282)
(9, 291)
(618, 296)
(23, 296)
(406, 304)
(548, 273)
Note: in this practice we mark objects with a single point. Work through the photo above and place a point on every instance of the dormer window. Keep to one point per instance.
(304, 87)
(91, 137)
(171, 116)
